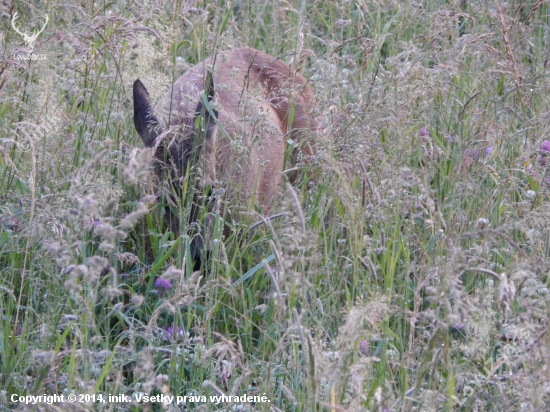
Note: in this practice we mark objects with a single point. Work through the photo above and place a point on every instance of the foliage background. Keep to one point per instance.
(412, 276)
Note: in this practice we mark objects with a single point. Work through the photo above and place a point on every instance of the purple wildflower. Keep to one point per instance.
(363, 347)
(423, 132)
(163, 284)
(471, 153)
(489, 151)
(544, 147)
(171, 332)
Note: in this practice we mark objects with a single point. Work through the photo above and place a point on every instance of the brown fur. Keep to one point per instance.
(254, 95)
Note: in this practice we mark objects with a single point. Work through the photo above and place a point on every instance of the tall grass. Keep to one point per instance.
(413, 275)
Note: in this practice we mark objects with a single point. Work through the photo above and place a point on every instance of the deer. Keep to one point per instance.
(228, 118)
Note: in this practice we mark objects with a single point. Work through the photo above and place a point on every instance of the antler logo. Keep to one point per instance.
(30, 39)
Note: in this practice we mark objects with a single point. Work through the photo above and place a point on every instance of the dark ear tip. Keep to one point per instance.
(209, 85)
(139, 88)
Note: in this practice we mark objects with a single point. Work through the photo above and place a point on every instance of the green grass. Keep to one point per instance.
(413, 275)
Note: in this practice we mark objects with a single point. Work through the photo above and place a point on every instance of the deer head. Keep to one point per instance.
(261, 103)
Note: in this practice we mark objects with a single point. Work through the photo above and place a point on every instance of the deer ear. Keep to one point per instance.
(210, 121)
(209, 86)
(145, 121)
(209, 113)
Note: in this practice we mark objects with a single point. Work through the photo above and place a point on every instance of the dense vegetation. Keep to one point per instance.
(412, 276)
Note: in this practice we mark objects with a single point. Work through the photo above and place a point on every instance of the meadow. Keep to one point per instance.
(411, 275)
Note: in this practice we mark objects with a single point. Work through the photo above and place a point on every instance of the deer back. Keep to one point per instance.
(257, 100)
